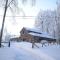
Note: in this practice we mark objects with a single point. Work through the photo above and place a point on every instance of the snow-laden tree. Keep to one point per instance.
(46, 22)
(12, 4)
(58, 20)
(32, 2)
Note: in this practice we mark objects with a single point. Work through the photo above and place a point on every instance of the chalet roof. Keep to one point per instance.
(43, 35)
(34, 30)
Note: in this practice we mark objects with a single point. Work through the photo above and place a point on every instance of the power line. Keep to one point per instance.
(29, 16)
(18, 16)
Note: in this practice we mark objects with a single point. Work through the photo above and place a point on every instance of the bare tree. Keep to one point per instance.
(11, 4)
(6, 5)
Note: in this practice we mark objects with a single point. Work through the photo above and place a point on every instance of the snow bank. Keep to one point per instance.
(23, 51)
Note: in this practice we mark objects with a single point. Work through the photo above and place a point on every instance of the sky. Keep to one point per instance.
(46, 4)
(39, 5)
(25, 10)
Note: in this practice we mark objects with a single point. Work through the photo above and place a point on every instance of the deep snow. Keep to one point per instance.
(23, 51)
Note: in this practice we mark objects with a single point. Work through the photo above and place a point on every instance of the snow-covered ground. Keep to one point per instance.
(23, 51)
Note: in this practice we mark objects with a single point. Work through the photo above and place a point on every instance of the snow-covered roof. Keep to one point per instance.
(35, 30)
(42, 35)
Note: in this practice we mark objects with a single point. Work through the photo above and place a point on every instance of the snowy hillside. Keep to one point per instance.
(23, 51)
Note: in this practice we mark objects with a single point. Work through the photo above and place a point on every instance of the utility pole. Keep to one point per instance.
(3, 22)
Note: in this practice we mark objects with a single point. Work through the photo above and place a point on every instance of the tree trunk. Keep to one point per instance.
(3, 21)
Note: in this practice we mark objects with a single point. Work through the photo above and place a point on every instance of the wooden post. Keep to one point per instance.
(33, 42)
(9, 44)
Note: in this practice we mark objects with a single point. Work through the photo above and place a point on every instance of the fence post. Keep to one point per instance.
(9, 44)
(33, 42)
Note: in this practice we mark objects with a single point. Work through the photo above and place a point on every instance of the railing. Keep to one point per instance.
(6, 42)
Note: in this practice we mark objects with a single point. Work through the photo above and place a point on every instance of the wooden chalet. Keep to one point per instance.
(28, 34)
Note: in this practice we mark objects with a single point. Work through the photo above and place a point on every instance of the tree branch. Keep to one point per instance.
(9, 4)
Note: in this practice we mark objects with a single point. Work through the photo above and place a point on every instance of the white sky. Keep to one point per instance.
(15, 27)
